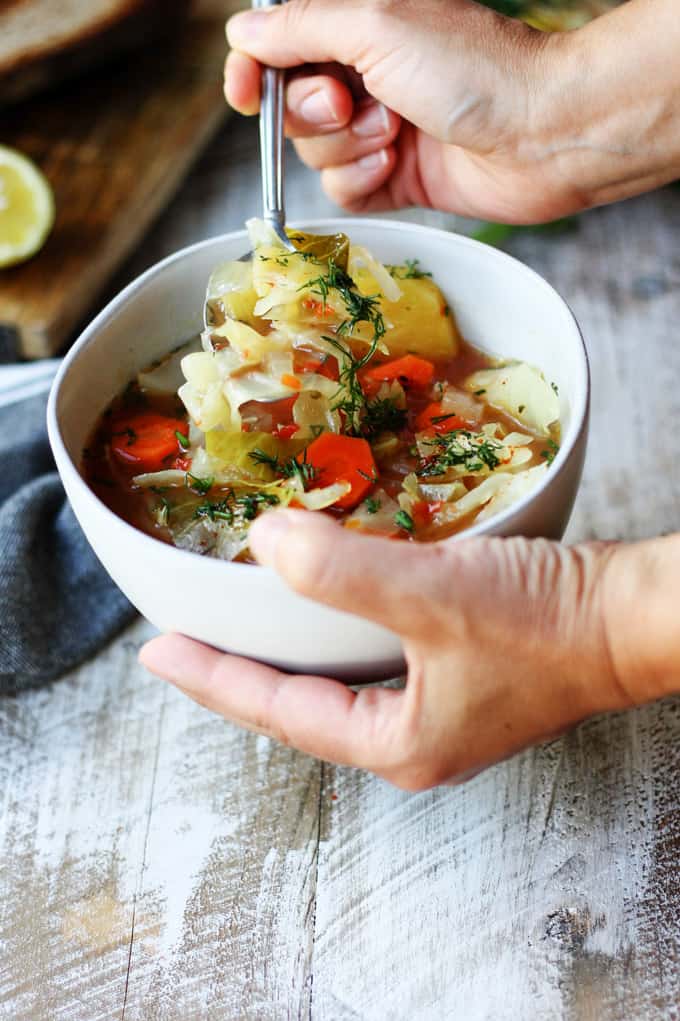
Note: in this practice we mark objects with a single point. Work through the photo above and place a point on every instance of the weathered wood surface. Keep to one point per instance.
(156, 863)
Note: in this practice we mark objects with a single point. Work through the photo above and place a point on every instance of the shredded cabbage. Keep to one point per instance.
(522, 391)
(375, 515)
(361, 261)
(514, 488)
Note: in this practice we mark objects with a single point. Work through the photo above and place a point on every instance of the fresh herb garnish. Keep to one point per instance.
(556, 389)
(551, 453)
(360, 308)
(460, 448)
(216, 510)
(232, 508)
(382, 415)
(478, 393)
(521, 409)
(288, 469)
(200, 486)
(369, 478)
(409, 271)
(404, 520)
(182, 439)
(251, 503)
(372, 505)
(351, 399)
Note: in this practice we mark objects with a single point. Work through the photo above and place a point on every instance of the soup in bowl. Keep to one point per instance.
(410, 382)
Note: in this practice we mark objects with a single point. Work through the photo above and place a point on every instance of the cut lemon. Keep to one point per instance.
(26, 208)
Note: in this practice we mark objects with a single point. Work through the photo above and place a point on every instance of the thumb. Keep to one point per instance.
(384, 580)
(437, 63)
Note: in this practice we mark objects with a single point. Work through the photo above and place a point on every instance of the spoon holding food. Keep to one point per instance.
(271, 161)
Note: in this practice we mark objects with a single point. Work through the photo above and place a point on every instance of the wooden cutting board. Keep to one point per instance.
(115, 146)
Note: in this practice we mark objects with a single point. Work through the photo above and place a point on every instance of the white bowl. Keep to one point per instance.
(501, 306)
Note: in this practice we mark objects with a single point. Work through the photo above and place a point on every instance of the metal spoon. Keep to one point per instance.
(271, 146)
(271, 158)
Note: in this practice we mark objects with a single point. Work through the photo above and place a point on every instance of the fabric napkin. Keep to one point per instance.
(57, 604)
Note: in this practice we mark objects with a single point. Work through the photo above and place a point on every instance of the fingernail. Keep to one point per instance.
(371, 122)
(266, 534)
(316, 109)
(246, 25)
(373, 161)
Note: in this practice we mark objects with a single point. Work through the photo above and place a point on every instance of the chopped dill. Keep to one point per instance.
(360, 308)
(236, 509)
(404, 520)
(182, 439)
(460, 448)
(288, 469)
(382, 415)
(409, 271)
(551, 453)
(350, 397)
(200, 486)
(372, 505)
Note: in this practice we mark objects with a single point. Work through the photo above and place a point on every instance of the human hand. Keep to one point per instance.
(507, 643)
(444, 103)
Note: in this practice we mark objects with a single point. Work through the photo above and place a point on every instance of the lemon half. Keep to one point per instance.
(26, 208)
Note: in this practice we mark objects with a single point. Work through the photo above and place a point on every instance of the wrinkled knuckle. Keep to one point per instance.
(295, 14)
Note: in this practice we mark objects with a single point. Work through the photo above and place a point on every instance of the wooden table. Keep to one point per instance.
(158, 863)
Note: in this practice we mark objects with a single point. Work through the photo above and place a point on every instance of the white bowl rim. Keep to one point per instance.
(579, 410)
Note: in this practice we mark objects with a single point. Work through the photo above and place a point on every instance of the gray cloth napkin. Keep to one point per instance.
(57, 604)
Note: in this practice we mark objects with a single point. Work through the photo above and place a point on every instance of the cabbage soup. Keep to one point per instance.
(330, 382)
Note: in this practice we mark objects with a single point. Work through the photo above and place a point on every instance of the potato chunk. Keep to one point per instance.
(420, 322)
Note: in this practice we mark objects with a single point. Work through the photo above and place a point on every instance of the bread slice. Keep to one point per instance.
(41, 41)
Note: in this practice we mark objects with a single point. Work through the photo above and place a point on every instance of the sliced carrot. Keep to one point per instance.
(148, 440)
(410, 371)
(434, 418)
(315, 361)
(291, 381)
(341, 459)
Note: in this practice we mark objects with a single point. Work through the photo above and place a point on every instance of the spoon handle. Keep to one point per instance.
(271, 142)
